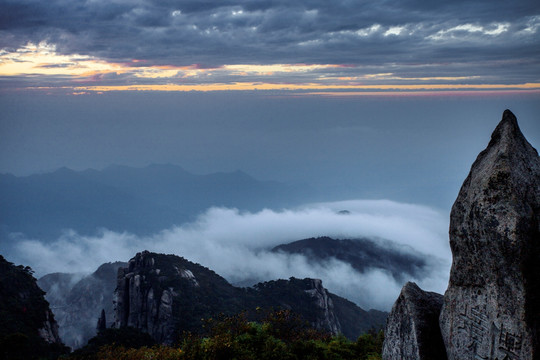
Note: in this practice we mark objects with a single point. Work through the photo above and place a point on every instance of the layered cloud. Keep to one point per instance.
(236, 245)
(145, 45)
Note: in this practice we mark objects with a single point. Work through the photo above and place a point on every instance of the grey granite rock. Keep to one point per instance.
(49, 331)
(492, 305)
(321, 297)
(412, 329)
(140, 301)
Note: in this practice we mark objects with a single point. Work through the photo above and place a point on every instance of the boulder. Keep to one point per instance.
(491, 308)
(412, 329)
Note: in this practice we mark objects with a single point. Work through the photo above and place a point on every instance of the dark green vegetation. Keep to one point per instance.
(278, 335)
(129, 338)
(23, 313)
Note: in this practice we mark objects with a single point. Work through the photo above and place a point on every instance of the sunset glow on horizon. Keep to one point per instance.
(48, 70)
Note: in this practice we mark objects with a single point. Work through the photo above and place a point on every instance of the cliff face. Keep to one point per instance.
(491, 309)
(143, 298)
(306, 297)
(327, 319)
(166, 294)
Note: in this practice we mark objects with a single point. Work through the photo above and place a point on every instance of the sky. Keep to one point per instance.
(364, 100)
(347, 94)
(318, 46)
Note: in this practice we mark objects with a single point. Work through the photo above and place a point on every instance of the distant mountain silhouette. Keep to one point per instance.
(362, 254)
(121, 198)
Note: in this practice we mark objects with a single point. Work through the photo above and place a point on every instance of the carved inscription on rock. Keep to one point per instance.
(474, 324)
(484, 340)
(509, 344)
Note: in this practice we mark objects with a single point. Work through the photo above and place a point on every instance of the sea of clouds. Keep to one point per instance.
(237, 246)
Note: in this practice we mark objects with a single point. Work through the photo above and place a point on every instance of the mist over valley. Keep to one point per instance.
(74, 221)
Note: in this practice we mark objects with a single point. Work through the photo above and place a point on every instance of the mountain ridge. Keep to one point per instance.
(361, 253)
(163, 294)
(122, 198)
(167, 293)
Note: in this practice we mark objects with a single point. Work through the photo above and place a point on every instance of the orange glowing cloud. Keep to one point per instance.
(241, 86)
(86, 73)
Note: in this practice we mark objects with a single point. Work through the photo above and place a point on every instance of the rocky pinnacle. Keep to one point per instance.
(491, 308)
(412, 329)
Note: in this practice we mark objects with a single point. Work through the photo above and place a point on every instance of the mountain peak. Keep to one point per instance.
(508, 165)
(63, 171)
(508, 116)
(507, 135)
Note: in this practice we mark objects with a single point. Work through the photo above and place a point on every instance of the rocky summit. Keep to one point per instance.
(491, 309)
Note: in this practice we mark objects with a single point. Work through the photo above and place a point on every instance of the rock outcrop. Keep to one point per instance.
(306, 296)
(492, 304)
(102, 322)
(491, 309)
(414, 323)
(142, 299)
(321, 296)
(164, 295)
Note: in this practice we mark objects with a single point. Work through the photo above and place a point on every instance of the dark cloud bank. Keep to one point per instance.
(401, 34)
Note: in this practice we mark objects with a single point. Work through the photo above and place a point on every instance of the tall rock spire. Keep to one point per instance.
(492, 305)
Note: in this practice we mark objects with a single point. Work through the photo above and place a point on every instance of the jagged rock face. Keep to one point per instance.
(492, 304)
(164, 295)
(412, 329)
(49, 331)
(307, 297)
(328, 320)
(140, 304)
